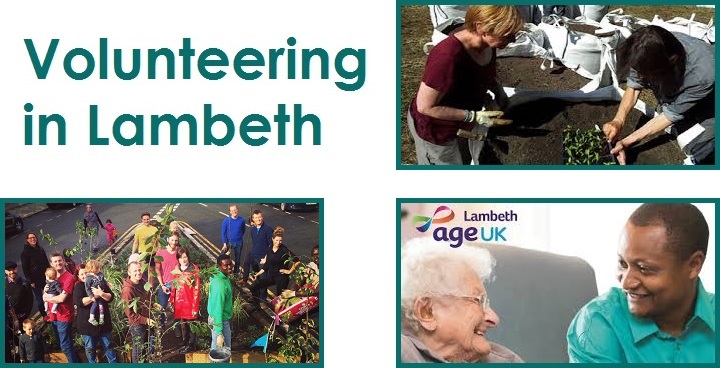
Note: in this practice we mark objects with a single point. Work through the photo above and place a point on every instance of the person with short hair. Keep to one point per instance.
(220, 301)
(680, 71)
(233, 230)
(459, 72)
(661, 313)
(261, 236)
(139, 316)
(52, 288)
(446, 313)
(142, 233)
(18, 291)
(62, 325)
(32, 344)
(165, 277)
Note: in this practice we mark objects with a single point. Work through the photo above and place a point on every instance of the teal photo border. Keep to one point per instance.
(398, 232)
(400, 115)
(321, 212)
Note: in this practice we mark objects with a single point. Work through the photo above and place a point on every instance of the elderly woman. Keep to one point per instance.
(459, 72)
(445, 308)
(680, 70)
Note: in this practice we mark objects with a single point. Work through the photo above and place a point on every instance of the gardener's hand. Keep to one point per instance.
(287, 294)
(490, 118)
(619, 152)
(220, 341)
(157, 307)
(152, 323)
(611, 130)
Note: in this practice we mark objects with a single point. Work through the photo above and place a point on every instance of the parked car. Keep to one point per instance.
(13, 223)
(298, 206)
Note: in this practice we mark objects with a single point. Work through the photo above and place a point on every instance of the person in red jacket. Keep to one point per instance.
(185, 297)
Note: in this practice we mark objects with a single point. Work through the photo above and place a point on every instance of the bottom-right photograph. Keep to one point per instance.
(556, 280)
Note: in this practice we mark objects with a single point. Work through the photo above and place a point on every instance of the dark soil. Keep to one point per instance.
(525, 73)
(535, 137)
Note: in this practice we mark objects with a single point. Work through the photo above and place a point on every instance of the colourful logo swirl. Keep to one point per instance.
(427, 221)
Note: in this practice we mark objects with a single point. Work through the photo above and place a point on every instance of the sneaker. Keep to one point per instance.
(187, 349)
(93, 321)
(102, 320)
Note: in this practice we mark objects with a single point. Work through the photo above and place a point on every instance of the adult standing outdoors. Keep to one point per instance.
(18, 291)
(275, 267)
(138, 313)
(233, 230)
(142, 234)
(164, 271)
(680, 70)
(459, 72)
(220, 303)
(93, 334)
(185, 297)
(261, 236)
(34, 263)
(62, 325)
(92, 221)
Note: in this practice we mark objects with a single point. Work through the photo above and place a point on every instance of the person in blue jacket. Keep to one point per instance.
(233, 230)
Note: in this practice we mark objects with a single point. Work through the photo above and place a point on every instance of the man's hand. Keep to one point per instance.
(220, 341)
(224, 248)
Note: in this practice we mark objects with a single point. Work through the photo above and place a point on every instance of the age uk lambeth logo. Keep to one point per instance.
(428, 221)
(458, 234)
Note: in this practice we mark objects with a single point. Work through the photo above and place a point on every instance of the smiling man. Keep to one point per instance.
(445, 308)
(661, 313)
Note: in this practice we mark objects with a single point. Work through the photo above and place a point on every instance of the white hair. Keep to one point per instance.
(434, 267)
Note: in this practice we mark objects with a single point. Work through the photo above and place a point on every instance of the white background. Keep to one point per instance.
(353, 169)
(590, 231)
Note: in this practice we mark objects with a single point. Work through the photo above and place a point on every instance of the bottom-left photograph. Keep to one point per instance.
(105, 281)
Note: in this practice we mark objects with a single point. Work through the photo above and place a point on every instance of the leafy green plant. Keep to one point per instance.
(585, 147)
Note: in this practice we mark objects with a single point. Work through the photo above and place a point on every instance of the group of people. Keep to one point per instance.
(460, 70)
(67, 293)
(660, 314)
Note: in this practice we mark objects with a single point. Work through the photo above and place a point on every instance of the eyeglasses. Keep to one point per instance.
(482, 301)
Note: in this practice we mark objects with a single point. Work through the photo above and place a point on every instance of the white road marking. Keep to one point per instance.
(315, 222)
(203, 204)
(302, 217)
(224, 214)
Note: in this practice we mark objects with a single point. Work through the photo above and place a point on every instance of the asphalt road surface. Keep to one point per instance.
(302, 229)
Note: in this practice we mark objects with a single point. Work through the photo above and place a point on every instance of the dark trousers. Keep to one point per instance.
(188, 336)
(142, 346)
(261, 284)
(38, 293)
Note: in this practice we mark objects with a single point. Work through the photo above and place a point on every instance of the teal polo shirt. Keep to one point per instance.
(604, 331)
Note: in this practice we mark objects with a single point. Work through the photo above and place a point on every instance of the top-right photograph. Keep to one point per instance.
(556, 85)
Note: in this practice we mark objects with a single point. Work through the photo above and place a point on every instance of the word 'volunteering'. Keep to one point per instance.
(211, 63)
(347, 67)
